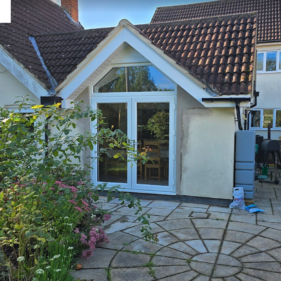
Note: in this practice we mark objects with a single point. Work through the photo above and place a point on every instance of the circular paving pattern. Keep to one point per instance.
(196, 249)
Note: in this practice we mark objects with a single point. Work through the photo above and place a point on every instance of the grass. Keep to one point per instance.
(151, 270)
(108, 273)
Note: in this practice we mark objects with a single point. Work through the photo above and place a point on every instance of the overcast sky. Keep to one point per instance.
(107, 13)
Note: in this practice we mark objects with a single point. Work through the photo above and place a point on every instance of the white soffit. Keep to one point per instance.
(83, 76)
(21, 74)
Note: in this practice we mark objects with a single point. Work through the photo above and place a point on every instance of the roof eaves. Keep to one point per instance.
(27, 78)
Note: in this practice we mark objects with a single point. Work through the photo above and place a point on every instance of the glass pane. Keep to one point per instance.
(278, 118)
(256, 118)
(153, 140)
(109, 168)
(113, 81)
(148, 78)
(279, 60)
(260, 61)
(267, 117)
(271, 61)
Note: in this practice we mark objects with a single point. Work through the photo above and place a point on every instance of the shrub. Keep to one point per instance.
(47, 205)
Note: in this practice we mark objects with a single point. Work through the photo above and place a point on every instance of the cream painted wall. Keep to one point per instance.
(11, 87)
(208, 152)
(184, 101)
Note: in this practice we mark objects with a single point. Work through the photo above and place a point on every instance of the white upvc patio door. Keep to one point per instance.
(150, 122)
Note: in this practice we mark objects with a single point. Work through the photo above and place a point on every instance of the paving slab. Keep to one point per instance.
(264, 275)
(263, 244)
(136, 230)
(165, 238)
(238, 236)
(164, 204)
(217, 244)
(90, 274)
(161, 272)
(176, 224)
(194, 205)
(210, 233)
(228, 247)
(126, 259)
(101, 258)
(158, 260)
(244, 227)
(186, 276)
(118, 225)
(219, 209)
(185, 234)
(130, 274)
(212, 245)
(143, 246)
(118, 240)
(180, 246)
(159, 211)
(197, 245)
(168, 252)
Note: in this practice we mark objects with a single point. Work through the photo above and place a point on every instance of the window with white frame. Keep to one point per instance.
(260, 118)
(269, 61)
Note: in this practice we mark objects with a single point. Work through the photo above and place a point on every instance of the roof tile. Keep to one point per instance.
(269, 13)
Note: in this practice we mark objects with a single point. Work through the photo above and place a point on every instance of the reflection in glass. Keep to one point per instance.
(278, 118)
(271, 61)
(267, 117)
(109, 168)
(113, 81)
(260, 61)
(256, 118)
(279, 60)
(148, 78)
(153, 140)
(134, 79)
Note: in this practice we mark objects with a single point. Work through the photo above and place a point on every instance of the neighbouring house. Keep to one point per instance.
(268, 82)
(176, 87)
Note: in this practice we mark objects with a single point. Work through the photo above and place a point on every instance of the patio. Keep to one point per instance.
(196, 242)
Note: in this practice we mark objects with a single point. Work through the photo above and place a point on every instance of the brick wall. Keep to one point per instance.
(71, 6)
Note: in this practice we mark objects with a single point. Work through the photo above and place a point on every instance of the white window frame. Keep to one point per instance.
(261, 120)
(278, 53)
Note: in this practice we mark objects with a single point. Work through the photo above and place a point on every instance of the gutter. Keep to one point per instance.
(237, 105)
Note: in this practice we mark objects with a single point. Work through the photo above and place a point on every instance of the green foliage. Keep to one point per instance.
(44, 191)
(159, 125)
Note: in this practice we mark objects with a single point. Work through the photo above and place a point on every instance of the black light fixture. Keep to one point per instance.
(50, 100)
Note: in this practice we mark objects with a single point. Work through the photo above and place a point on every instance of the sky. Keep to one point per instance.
(108, 13)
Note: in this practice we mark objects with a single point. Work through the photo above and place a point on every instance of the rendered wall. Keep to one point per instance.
(11, 87)
(208, 153)
(184, 101)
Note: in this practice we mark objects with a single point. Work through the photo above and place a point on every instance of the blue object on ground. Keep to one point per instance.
(254, 209)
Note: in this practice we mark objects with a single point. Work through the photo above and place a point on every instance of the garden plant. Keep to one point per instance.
(49, 211)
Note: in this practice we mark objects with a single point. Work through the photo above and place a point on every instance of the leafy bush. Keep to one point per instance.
(47, 205)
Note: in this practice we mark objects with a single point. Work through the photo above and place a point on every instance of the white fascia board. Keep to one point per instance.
(21, 74)
(225, 104)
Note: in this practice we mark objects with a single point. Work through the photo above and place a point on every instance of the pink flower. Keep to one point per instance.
(58, 182)
(83, 238)
(72, 201)
(85, 203)
(81, 182)
(106, 217)
(95, 206)
(87, 254)
(76, 230)
(73, 188)
(78, 209)
(52, 188)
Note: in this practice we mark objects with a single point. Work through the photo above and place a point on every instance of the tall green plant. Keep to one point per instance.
(44, 191)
